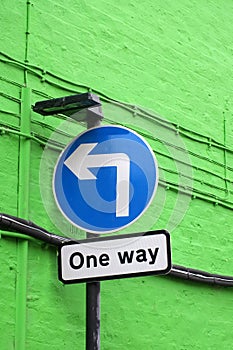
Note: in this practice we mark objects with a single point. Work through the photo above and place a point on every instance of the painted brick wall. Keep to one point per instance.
(174, 60)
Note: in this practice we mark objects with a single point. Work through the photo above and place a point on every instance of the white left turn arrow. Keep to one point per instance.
(80, 161)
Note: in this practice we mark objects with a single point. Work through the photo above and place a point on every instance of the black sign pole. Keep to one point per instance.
(93, 316)
(93, 288)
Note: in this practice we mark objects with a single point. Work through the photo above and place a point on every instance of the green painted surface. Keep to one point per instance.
(174, 59)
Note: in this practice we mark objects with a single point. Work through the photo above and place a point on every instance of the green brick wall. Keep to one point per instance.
(163, 68)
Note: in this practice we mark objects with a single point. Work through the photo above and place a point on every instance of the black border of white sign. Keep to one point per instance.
(115, 257)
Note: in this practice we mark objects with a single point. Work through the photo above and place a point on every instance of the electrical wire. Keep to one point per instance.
(44, 141)
(195, 192)
(15, 224)
(200, 276)
(40, 72)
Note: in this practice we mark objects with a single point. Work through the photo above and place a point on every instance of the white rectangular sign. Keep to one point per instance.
(115, 257)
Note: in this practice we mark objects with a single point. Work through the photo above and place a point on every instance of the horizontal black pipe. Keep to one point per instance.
(15, 224)
(200, 276)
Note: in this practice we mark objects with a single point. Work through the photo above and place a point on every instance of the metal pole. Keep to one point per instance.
(93, 316)
(92, 288)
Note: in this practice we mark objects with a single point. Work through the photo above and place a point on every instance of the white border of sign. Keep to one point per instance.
(108, 247)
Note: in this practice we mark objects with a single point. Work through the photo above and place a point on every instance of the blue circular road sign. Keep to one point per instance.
(105, 179)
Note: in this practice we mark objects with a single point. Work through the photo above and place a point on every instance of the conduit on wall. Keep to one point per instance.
(45, 75)
(27, 228)
(195, 193)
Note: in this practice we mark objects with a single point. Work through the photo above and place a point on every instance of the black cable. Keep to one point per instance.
(15, 224)
(200, 276)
